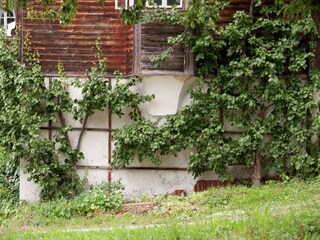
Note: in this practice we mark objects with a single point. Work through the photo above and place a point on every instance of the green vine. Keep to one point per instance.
(27, 103)
(252, 70)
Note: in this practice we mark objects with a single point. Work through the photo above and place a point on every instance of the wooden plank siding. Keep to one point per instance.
(232, 8)
(75, 45)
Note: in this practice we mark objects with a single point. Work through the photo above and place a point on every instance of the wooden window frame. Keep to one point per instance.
(129, 3)
(4, 17)
(165, 4)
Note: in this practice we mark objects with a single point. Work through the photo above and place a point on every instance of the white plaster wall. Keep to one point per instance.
(154, 182)
(94, 176)
(95, 148)
(29, 190)
(167, 90)
(170, 93)
(184, 96)
(168, 161)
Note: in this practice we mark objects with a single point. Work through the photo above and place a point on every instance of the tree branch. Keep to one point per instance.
(63, 123)
(266, 108)
(82, 131)
(251, 8)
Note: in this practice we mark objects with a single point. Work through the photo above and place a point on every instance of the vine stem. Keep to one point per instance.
(251, 8)
(82, 131)
(256, 176)
(265, 109)
(63, 125)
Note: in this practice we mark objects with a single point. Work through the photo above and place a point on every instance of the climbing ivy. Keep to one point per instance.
(255, 73)
(28, 102)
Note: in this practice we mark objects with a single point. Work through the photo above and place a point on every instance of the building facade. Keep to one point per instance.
(127, 49)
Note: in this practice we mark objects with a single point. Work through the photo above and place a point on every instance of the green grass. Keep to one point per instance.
(274, 211)
(259, 226)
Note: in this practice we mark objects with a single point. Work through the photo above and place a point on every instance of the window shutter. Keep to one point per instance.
(151, 39)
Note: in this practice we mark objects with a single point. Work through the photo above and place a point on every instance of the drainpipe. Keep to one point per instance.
(109, 136)
(316, 94)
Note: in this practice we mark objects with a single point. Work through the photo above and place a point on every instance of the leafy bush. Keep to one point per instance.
(9, 185)
(102, 197)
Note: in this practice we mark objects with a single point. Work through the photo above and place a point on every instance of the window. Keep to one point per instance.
(8, 20)
(151, 39)
(166, 3)
(123, 4)
(160, 3)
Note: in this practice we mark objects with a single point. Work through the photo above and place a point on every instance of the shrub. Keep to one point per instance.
(102, 197)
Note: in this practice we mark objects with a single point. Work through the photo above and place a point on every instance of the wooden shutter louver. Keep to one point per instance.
(152, 39)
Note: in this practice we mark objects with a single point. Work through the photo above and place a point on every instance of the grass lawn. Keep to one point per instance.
(275, 211)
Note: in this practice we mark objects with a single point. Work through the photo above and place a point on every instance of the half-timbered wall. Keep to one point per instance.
(74, 45)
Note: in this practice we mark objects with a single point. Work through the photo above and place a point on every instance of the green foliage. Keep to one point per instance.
(257, 65)
(7, 5)
(140, 138)
(300, 7)
(133, 15)
(24, 107)
(99, 198)
(122, 97)
(9, 186)
(26, 103)
(9, 175)
(66, 11)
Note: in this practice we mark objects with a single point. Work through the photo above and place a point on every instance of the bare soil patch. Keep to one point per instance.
(138, 208)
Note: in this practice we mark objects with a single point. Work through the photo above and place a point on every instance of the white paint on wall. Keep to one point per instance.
(94, 176)
(29, 190)
(119, 122)
(168, 161)
(154, 182)
(98, 120)
(95, 148)
(167, 90)
(184, 96)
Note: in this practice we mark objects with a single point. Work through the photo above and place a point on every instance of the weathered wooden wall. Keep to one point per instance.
(74, 45)
(228, 11)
